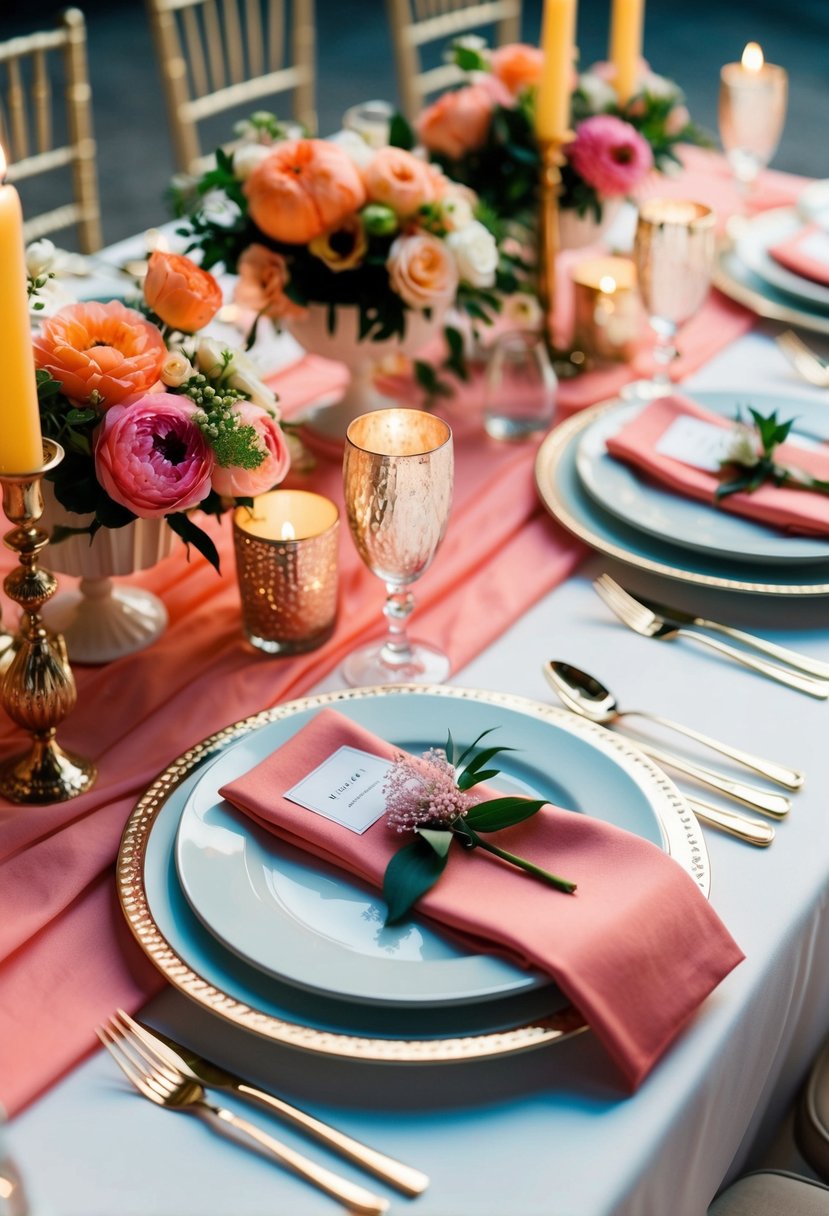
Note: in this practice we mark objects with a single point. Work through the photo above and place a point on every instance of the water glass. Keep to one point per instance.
(521, 386)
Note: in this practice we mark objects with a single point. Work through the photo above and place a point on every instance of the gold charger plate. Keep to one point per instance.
(561, 492)
(677, 821)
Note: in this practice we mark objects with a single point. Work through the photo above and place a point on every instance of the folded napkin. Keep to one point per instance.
(637, 948)
(805, 254)
(638, 444)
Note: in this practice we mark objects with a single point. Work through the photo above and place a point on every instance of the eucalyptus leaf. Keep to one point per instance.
(412, 871)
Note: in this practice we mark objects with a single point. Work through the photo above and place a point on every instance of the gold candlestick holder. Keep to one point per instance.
(565, 363)
(37, 689)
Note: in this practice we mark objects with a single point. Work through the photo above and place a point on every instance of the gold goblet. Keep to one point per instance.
(397, 476)
(674, 254)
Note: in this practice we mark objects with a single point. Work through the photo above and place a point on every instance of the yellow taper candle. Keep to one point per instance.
(558, 34)
(626, 21)
(21, 448)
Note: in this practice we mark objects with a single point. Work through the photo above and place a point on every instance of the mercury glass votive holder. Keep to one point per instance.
(286, 561)
(608, 315)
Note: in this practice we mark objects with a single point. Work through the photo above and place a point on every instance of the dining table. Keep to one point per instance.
(547, 1131)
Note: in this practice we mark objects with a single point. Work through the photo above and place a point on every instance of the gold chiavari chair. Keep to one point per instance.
(217, 57)
(29, 114)
(417, 23)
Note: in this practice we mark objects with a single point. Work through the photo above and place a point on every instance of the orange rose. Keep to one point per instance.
(422, 270)
(100, 353)
(399, 180)
(303, 188)
(518, 66)
(457, 122)
(263, 277)
(180, 292)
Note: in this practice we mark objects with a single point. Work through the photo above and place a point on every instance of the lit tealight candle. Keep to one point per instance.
(608, 318)
(286, 560)
(753, 97)
(21, 447)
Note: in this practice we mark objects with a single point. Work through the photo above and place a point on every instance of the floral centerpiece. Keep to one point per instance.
(154, 419)
(483, 133)
(337, 225)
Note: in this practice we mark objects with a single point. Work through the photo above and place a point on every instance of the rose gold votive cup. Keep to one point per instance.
(286, 562)
(608, 315)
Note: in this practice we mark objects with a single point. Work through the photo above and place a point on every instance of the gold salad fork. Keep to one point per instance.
(170, 1088)
(164, 1050)
(803, 359)
(650, 624)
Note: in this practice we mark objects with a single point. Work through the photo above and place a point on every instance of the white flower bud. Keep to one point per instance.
(354, 146)
(246, 159)
(456, 210)
(40, 257)
(522, 311)
(476, 254)
(177, 369)
(598, 92)
(743, 447)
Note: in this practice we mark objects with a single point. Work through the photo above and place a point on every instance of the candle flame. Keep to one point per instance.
(288, 531)
(607, 284)
(752, 59)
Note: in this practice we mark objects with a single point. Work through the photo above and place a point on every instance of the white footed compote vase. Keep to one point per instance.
(100, 620)
(331, 418)
(398, 475)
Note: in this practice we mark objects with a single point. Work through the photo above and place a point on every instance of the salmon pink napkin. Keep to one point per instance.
(805, 254)
(801, 511)
(637, 948)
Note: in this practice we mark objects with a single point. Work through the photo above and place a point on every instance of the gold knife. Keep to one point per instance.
(406, 1179)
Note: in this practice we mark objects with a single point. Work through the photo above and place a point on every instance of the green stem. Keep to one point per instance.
(553, 880)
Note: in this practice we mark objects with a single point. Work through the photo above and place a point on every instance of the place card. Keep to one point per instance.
(704, 445)
(347, 788)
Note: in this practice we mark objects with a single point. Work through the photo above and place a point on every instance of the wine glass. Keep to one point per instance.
(752, 111)
(521, 387)
(674, 253)
(397, 477)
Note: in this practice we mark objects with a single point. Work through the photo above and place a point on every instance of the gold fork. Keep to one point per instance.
(168, 1087)
(803, 359)
(649, 624)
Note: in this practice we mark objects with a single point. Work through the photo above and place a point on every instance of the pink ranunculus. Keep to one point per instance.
(422, 270)
(151, 457)
(610, 155)
(235, 482)
(399, 180)
(458, 122)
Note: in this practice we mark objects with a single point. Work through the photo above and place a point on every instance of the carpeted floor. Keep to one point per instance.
(355, 63)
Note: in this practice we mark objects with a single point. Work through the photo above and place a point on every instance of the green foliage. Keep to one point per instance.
(412, 872)
(751, 474)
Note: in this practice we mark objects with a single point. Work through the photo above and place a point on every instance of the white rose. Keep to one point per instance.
(598, 92)
(456, 209)
(743, 447)
(354, 146)
(659, 87)
(40, 257)
(239, 372)
(177, 369)
(476, 254)
(246, 158)
(522, 311)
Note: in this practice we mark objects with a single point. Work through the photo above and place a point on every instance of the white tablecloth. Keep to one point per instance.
(546, 1133)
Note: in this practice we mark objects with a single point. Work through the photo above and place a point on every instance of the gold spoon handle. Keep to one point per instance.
(777, 805)
(752, 831)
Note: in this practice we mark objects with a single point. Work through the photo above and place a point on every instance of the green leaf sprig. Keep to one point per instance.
(753, 454)
(430, 797)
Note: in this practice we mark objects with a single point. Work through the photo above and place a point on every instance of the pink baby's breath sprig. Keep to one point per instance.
(429, 796)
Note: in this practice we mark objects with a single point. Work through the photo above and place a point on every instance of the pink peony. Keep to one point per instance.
(151, 457)
(610, 155)
(236, 482)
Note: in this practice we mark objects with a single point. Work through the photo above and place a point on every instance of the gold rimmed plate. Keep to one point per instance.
(565, 497)
(198, 965)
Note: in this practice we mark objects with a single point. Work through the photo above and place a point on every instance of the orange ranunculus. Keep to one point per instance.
(263, 277)
(457, 122)
(518, 66)
(180, 292)
(303, 188)
(100, 353)
(401, 181)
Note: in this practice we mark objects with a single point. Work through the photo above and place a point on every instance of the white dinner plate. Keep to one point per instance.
(813, 203)
(734, 279)
(752, 248)
(644, 505)
(310, 925)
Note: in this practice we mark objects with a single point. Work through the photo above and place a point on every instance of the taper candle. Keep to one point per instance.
(21, 447)
(626, 22)
(558, 34)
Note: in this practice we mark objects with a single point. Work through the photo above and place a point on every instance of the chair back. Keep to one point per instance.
(216, 58)
(40, 134)
(417, 23)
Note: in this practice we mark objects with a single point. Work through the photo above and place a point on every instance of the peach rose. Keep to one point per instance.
(303, 188)
(517, 66)
(263, 277)
(457, 122)
(400, 180)
(100, 353)
(422, 270)
(180, 292)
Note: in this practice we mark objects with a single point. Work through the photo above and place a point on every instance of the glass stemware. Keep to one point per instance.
(674, 253)
(521, 387)
(752, 111)
(397, 477)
